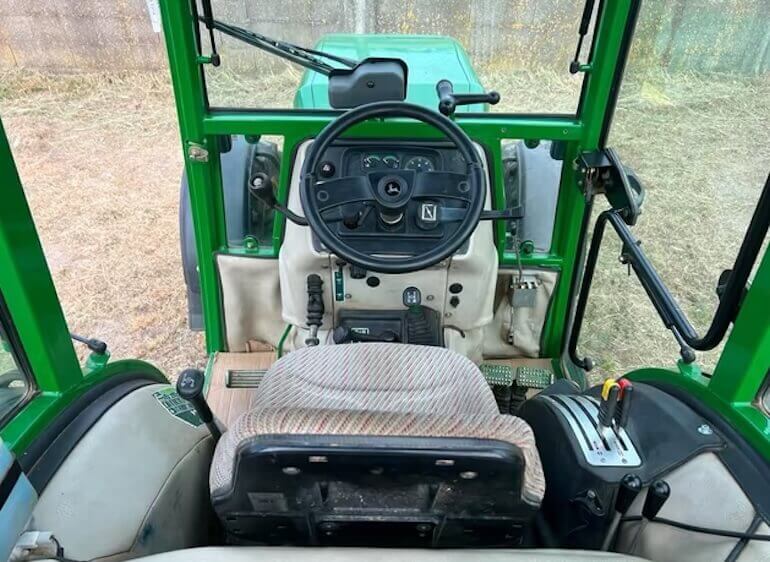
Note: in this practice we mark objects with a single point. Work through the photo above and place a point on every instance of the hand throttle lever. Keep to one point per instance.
(189, 386)
(448, 100)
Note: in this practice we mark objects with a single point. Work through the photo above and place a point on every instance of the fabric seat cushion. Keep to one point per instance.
(307, 421)
(377, 389)
(376, 377)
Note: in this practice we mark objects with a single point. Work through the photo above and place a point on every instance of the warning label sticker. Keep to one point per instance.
(177, 406)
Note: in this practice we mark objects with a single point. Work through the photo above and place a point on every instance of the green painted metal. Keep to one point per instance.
(203, 176)
(27, 287)
(428, 57)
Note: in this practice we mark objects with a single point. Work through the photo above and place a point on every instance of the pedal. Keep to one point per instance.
(533, 377)
(502, 375)
(244, 379)
(523, 292)
(500, 379)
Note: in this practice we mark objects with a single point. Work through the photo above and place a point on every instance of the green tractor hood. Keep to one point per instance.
(429, 58)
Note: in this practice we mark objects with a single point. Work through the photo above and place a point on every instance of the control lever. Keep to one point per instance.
(261, 187)
(657, 495)
(630, 486)
(315, 307)
(448, 100)
(189, 386)
(343, 334)
(624, 407)
(609, 402)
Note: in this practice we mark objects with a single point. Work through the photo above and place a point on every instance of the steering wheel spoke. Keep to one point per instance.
(342, 191)
(440, 185)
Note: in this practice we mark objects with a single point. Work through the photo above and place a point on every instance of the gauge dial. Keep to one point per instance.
(419, 164)
(390, 161)
(371, 162)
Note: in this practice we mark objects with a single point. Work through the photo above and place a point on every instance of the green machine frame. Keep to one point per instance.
(26, 285)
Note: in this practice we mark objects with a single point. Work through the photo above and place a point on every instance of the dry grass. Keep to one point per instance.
(101, 160)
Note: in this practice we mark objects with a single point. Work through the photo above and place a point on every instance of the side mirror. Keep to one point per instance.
(371, 80)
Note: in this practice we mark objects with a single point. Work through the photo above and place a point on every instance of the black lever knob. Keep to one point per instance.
(189, 386)
(315, 307)
(448, 100)
(657, 495)
(630, 486)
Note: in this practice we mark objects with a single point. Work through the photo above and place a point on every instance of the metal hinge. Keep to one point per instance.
(197, 152)
(603, 172)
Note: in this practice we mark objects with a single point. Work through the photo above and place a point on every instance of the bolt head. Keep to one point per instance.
(468, 475)
(291, 470)
(705, 429)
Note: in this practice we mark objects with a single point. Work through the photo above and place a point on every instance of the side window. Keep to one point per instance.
(693, 122)
(14, 384)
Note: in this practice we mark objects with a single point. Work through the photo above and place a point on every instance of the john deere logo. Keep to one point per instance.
(393, 188)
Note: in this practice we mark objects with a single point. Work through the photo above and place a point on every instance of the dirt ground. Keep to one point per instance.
(100, 159)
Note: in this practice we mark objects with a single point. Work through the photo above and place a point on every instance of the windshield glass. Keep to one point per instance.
(519, 48)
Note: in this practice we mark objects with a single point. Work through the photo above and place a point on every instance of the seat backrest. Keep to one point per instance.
(376, 478)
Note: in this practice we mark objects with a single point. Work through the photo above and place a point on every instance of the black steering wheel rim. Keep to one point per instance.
(446, 248)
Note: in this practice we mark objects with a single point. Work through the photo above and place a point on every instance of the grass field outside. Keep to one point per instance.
(101, 161)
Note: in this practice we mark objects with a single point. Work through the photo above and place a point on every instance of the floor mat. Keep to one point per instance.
(234, 378)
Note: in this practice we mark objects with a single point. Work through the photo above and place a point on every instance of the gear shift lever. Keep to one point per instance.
(189, 386)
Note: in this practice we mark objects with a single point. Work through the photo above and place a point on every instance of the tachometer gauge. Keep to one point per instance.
(371, 162)
(419, 164)
(390, 161)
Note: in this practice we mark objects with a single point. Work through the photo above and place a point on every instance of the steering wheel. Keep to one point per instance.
(438, 211)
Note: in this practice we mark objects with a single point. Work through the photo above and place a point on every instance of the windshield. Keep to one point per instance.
(519, 48)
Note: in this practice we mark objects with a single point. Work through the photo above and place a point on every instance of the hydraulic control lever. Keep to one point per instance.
(315, 307)
(189, 386)
(657, 495)
(630, 486)
(448, 100)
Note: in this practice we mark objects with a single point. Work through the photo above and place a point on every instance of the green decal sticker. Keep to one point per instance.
(177, 407)
(339, 286)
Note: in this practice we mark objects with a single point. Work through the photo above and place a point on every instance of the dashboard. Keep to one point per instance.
(372, 233)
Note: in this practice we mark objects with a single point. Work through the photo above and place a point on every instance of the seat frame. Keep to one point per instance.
(375, 490)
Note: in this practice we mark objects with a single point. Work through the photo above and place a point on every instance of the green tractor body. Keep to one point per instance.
(430, 59)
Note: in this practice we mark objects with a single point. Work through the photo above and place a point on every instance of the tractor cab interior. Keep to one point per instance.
(392, 295)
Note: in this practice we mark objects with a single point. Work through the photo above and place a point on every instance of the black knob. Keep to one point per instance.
(657, 495)
(630, 486)
(189, 385)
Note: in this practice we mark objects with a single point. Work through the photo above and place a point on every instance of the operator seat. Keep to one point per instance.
(376, 443)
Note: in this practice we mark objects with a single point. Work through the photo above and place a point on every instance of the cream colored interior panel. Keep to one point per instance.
(138, 467)
(251, 300)
(703, 493)
(525, 324)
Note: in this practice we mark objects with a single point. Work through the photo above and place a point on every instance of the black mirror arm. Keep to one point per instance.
(668, 309)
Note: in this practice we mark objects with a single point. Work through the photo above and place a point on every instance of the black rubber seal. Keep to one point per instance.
(9, 482)
(48, 452)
